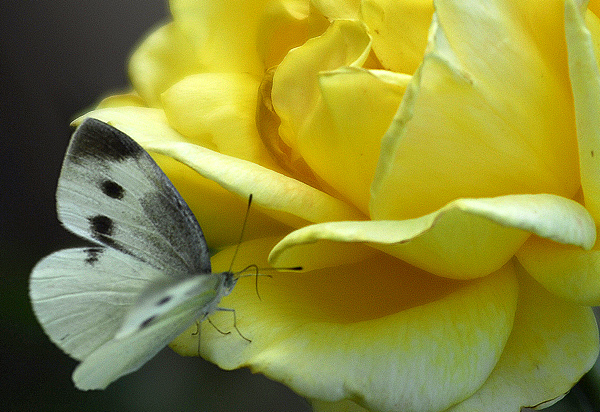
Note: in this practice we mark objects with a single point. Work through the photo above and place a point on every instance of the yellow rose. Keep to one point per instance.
(435, 169)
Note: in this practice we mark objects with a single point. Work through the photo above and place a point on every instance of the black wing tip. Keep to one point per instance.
(97, 139)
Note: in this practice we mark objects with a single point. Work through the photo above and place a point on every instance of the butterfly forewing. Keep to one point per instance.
(159, 299)
(111, 192)
(119, 357)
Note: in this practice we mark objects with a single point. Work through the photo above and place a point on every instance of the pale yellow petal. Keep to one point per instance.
(288, 200)
(466, 128)
(217, 110)
(552, 344)
(397, 339)
(219, 212)
(399, 31)
(585, 81)
(122, 100)
(340, 406)
(162, 59)
(567, 271)
(467, 238)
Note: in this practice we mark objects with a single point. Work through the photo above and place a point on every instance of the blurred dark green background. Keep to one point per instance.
(56, 59)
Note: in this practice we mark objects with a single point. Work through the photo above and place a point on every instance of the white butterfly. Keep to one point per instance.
(115, 305)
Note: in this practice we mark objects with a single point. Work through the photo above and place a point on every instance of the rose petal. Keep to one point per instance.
(162, 59)
(295, 88)
(585, 81)
(398, 339)
(122, 100)
(566, 271)
(399, 31)
(288, 200)
(286, 25)
(467, 238)
(341, 142)
(552, 344)
(465, 127)
(339, 9)
(333, 113)
(223, 33)
(212, 108)
(219, 212)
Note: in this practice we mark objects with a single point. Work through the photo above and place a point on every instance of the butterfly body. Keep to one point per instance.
(147, 279)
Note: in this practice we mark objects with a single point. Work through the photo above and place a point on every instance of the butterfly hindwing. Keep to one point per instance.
(81, 295)
(111, 192)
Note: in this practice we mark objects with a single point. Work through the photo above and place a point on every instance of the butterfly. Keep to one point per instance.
(147, 278)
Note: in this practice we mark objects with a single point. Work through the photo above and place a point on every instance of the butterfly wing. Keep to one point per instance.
(116, 305)
(114, 312)
(119, 357)
(80, 296)
(111, 192)
(205, 291)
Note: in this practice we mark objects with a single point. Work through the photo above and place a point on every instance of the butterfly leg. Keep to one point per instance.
(218, 330)
(197, 333)
(234, 323)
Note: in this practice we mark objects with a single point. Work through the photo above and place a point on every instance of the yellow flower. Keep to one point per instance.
(434, 168)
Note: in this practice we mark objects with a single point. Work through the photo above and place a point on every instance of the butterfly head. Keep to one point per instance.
(229, 281)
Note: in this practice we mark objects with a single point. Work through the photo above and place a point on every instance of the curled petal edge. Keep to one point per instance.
(492, 228)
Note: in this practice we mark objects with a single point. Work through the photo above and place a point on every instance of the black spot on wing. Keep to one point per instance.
(102, 229)
(93, 255)
(112, 189)
(147, 322)
(101, 226)
(164, 300)
(99, 140)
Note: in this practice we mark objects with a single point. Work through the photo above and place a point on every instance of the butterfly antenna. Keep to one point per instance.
(242, 233)
(256, 274)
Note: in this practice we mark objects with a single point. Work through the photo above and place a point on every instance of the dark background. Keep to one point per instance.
(58, 58)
